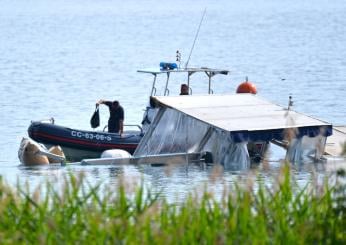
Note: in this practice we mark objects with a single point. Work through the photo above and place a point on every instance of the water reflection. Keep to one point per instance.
(115, 172)
(176, 182)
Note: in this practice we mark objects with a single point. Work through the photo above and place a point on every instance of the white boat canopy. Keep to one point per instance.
(244, 115)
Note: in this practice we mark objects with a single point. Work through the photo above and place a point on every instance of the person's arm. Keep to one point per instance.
(105, 102)
(121, 127)
(121, 121)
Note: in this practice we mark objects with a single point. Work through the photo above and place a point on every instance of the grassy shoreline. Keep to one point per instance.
(81, 213)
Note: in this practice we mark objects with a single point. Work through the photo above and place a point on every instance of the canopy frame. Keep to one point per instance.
(210, 72)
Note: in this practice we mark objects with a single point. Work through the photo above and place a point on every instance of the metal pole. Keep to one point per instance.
(153, 88)
(209, 75)
(166, 88)
(194, 41)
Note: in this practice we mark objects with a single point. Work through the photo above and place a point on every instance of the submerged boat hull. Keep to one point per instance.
(78, 144)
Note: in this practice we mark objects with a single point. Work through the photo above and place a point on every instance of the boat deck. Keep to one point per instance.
(336, 141)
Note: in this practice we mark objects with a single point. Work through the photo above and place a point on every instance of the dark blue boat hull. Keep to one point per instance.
(93, 141)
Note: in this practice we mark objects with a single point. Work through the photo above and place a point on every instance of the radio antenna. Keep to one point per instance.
(194, 41)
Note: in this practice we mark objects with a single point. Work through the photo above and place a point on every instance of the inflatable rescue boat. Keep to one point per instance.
(78, 144)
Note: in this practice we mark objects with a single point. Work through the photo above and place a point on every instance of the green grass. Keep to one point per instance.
(82, 214)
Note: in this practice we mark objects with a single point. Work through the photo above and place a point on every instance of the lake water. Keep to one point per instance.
(57, 58)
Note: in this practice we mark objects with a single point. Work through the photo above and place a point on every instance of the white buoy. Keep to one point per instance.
(115, 153)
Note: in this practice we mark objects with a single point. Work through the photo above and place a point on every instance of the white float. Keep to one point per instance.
(115, 153)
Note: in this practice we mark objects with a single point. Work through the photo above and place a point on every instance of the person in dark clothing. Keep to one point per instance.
(184, 89)
(116, 116)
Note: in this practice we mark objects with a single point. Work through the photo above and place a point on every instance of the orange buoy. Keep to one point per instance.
(247, 87)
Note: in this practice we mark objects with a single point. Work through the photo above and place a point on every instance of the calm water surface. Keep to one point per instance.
(57, 58)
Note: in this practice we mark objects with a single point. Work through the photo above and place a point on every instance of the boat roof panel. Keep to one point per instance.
(239, 112)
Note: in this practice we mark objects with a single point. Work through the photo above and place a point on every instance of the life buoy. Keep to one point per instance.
(247, 87)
